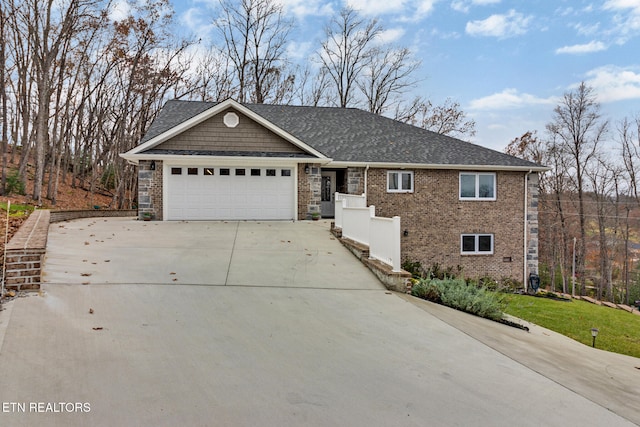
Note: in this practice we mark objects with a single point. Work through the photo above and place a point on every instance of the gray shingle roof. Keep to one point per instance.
(353, 135)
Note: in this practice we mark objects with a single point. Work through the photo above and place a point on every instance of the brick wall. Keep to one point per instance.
(58, 216)
(25, 252)
(434, 219)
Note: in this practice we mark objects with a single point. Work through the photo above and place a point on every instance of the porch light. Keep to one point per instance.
(153, 165)
(306, 169)
(594, 334)
(405, 233)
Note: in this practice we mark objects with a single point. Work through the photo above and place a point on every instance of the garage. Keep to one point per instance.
(230, 192)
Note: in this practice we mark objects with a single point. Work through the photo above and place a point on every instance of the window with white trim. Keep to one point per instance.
(476, 244)
(399, 181)
(477, 186)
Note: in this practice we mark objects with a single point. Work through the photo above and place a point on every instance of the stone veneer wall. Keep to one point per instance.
(355, 180)
(532, 223)
(309, 190)
(150, 189)
(434, 218)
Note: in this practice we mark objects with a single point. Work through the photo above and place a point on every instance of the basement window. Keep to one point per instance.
(476, 244)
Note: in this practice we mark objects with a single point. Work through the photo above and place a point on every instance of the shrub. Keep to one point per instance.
(14, 184)
(426, 290)
(456, 293)
(413, 267)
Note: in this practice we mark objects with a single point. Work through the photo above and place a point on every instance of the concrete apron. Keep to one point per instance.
(333, 352)
(122, 250)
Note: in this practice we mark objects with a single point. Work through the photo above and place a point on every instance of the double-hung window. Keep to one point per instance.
(399, 181)
(477, 186)
(476, 244)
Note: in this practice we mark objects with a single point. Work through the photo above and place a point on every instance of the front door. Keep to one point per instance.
(328, 191)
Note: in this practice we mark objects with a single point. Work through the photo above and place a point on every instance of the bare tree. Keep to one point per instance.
(255, 33)
(629, 139)
(47, 34)
(603, 177)
(446, 119)
(346, 51)
(3, 99)
(577, 130)
(388, 75)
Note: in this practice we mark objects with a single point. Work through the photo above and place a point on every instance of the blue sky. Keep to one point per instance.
(507, 62)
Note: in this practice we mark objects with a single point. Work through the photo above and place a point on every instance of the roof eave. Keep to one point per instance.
(230, 160)
(399, 165)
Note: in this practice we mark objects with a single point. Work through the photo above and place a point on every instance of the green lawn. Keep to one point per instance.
(619, 330)
(16, 209)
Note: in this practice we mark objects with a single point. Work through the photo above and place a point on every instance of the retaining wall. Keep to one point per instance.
(25, 251)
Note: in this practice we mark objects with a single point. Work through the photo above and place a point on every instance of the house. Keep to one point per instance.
(460, 204)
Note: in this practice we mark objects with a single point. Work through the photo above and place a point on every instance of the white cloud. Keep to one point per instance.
(377, 7)
(612, 83)
(507, 100)
(392, 35)
(622, 5)
(120, 9)
(587, 30)
(626, 18)
(304, 8)
(409, 10)
(424, 7)
(578, 49)
(501, 26)
(465, 5)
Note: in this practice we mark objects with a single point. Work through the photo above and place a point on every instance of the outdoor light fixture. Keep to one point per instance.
(594, 334)
(306, 169)
(153, 165)
(406, 233)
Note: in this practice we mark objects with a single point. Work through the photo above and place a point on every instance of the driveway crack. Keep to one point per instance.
(233, 248)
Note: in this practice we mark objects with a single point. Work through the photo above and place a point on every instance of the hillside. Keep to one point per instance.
(68, 198)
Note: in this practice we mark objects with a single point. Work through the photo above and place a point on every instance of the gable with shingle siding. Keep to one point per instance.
(213, 135)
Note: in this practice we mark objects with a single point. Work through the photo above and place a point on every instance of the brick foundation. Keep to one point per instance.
(434, 218)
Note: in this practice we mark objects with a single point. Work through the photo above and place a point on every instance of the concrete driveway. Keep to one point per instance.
(271, 324)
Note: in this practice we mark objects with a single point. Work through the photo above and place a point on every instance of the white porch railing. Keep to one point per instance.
(384, 242)
(356, 223)
(347, 201)
(359, 223)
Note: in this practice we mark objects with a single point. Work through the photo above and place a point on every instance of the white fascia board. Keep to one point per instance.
(216, 109)
(197, 160)
(382, 165)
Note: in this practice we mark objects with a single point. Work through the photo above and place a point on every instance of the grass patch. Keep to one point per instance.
(17, 210)
(619, 330)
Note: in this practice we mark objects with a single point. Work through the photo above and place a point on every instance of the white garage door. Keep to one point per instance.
(216, 193)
